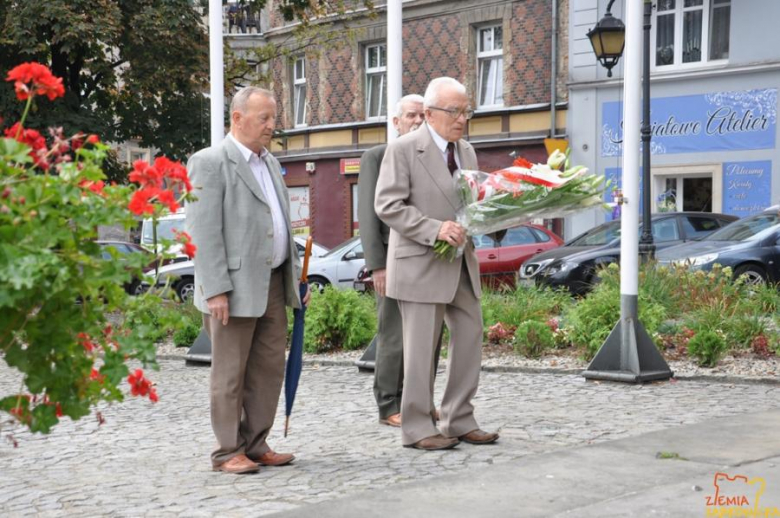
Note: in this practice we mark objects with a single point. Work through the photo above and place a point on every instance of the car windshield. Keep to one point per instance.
(600, 235)
(745, 229)
(343, 246)
(165, 230)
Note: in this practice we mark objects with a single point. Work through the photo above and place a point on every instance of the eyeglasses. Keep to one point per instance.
(467, 113)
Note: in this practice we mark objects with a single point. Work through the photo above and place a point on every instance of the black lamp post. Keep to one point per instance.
(608, 38)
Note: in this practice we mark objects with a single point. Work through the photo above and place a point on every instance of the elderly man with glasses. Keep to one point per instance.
(416, 197)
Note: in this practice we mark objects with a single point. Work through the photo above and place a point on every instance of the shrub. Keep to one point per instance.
(591, 320)
(525, 303)
(707, 347)
(339, 319)
(532, 338)
(186, 335)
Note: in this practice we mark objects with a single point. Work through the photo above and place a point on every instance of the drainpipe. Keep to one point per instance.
(554, 71)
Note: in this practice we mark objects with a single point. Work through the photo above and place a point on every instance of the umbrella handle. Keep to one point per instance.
(306, 255)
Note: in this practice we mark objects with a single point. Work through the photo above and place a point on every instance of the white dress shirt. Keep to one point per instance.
(441, 143)
(263, 175)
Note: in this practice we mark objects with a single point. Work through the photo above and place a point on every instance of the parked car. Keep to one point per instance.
(124, 248)
(166, 226)
(339, 266)
(750, 246)
(499, 255)
(575, 264)
(182, 274)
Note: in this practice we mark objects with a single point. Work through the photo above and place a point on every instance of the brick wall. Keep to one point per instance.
(437, 42)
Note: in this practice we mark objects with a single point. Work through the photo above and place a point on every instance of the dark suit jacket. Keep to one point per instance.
(374, 233)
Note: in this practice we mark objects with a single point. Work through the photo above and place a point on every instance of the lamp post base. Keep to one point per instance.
(628, 354)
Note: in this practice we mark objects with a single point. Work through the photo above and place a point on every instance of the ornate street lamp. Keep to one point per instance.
(608, 38)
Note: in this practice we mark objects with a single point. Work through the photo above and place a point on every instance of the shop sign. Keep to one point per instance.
(746, 187)
(721, 121)
(349, 166)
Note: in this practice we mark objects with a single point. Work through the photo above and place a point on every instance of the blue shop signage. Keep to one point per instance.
(722, 121)
(746, 187)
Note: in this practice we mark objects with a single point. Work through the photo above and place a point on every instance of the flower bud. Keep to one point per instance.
(556, 159)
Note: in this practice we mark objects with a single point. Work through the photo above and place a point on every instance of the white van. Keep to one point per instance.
(165, 227)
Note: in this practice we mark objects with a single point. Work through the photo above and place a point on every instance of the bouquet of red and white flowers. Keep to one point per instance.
(518, 194)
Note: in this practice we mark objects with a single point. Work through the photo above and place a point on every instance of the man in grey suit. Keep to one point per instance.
(246, 271)
(416, 197)
(374, 234)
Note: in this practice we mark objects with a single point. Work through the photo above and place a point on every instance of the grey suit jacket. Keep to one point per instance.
(374, 233)
(415, 194)
(231, 225)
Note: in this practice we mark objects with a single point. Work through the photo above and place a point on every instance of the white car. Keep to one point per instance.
(339, 267)
(182, 274)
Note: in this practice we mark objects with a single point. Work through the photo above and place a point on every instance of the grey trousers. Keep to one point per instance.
(247, 371)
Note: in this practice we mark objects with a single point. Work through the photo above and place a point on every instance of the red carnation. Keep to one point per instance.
(35, 79)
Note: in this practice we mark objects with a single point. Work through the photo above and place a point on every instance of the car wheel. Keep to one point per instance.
(754, 274)
(185, 289)
(318, 283)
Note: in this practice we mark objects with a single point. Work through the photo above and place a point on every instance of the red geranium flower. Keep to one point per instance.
(96, 187)
(173, 171)
(140, 202)
(145, 175)
(35, 79)
(93, 139)
(33, 139)
(185, 239)
(167, 198)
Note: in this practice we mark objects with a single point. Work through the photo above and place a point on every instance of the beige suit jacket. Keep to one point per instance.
(231, 225)
(415, 194)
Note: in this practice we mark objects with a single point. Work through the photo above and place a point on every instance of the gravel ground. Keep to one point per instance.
(745, 367)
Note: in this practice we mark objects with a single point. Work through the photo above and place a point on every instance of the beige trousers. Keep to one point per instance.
(247, 370)
(421, 327)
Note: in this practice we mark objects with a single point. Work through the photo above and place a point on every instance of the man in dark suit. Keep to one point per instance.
(374, 234)
(246, 271)
(417, 198)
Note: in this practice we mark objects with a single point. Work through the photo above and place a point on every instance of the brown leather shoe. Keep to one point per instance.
(238, 464)
(479, 437)
(271, 458)
(434, 442)
(393, 420)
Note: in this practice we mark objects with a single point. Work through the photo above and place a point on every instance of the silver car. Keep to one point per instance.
(180, 277)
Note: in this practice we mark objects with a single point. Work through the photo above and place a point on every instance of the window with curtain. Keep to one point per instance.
(376, 77)
(691, 31)
(299, 91)
(490, 65)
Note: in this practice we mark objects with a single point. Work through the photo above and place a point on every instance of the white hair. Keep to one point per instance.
(240, 100)
(411, 98)
(436, 85)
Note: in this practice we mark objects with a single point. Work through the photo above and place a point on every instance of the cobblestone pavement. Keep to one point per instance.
(152, 460)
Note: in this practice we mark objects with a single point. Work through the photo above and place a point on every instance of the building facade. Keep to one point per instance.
(333, 102)
(715, 73)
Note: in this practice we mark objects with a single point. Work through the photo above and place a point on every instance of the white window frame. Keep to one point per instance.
(680, 172)
(487, 55)
(299, 83)
(679, 10)
(378, 71)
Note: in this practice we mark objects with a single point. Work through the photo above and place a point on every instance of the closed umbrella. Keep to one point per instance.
(295, 358)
